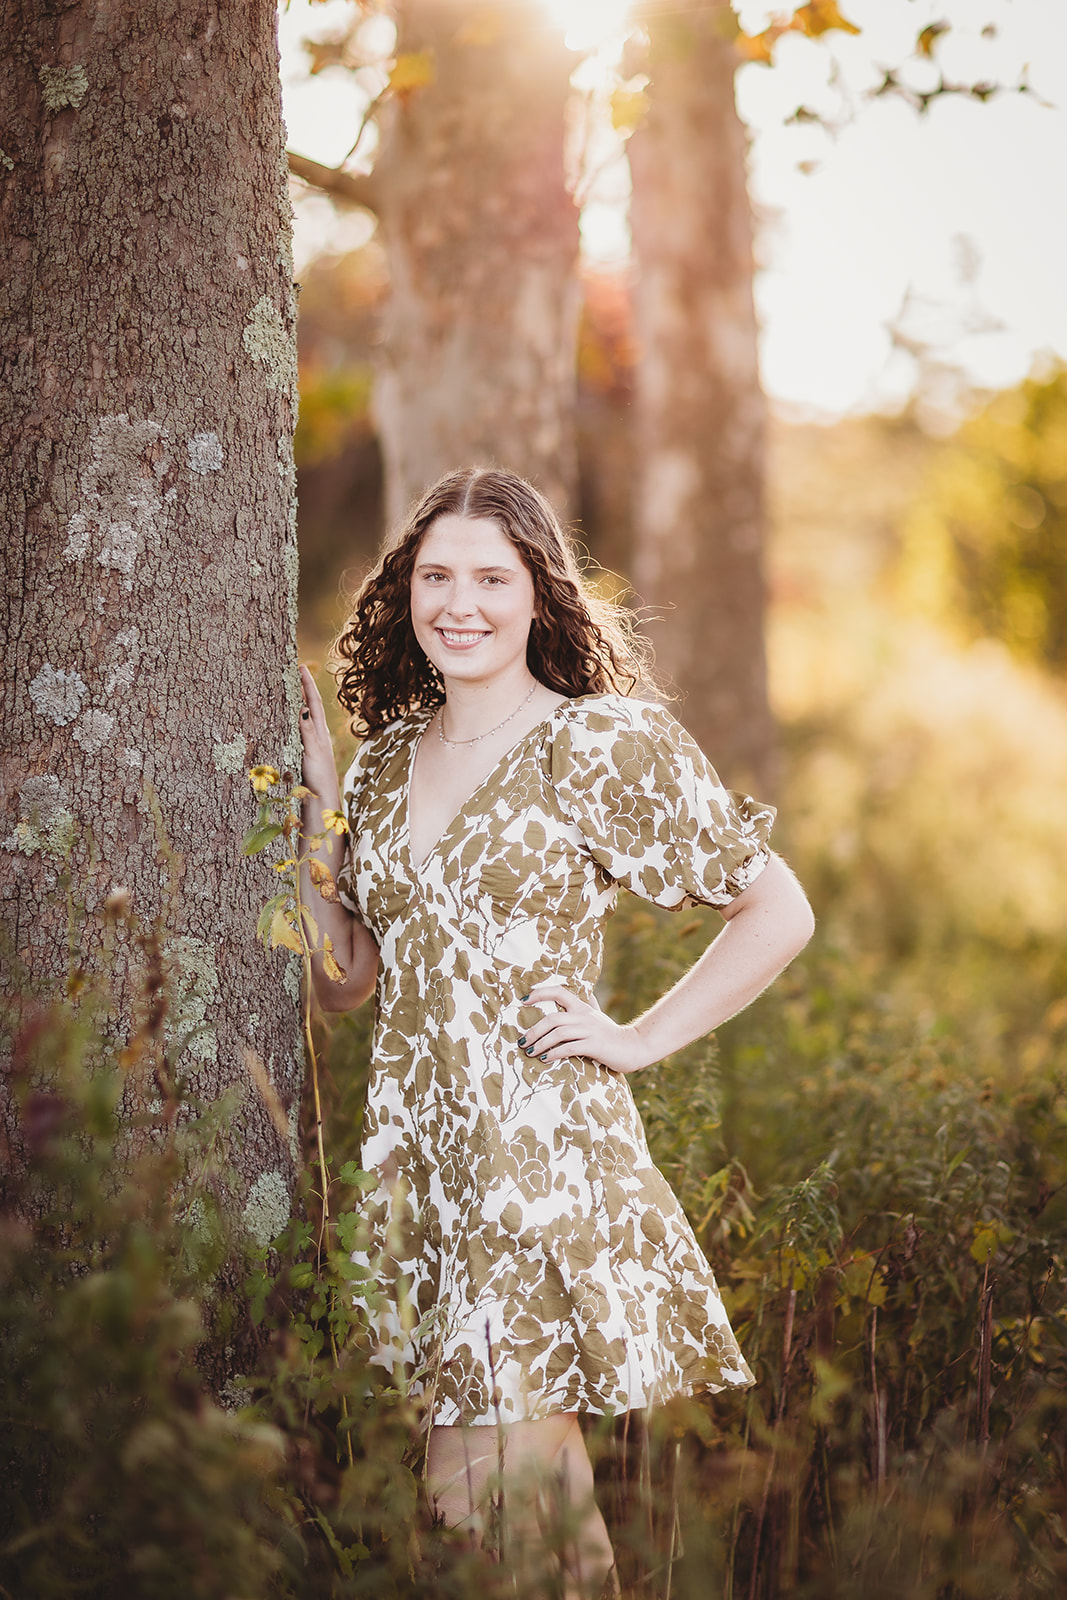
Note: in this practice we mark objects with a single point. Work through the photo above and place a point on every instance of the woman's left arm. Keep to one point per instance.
(767, 924)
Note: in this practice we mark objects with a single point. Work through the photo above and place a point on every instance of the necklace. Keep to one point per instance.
(454, 744)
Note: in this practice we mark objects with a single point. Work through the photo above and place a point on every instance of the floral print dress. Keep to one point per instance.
(531, 1257)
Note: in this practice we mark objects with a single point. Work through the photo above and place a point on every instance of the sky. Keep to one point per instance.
(950, 227)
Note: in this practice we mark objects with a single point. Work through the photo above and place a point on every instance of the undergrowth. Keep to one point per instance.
(874, 1157)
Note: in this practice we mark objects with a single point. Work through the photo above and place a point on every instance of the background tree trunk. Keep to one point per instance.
(147, 402)
(699, 411)
(479, 336)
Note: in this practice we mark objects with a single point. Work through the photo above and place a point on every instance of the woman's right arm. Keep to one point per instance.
(354, 948)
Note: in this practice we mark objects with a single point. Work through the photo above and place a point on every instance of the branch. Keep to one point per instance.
(349, 188)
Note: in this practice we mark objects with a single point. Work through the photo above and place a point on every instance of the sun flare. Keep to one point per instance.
(589, 24)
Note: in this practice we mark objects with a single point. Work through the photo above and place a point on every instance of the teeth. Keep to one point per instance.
(453, 636)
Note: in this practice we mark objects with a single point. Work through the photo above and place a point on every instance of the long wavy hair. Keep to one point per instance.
(579, 643)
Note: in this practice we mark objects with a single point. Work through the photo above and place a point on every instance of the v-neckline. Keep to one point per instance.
(440, 844)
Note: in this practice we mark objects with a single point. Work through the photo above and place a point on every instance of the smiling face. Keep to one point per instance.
(472, 601)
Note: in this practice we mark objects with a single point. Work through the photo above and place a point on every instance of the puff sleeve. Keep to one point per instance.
(650, 807)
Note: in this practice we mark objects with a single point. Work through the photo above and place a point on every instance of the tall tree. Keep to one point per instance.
(699, 409)
(147, 402)
(477, 356)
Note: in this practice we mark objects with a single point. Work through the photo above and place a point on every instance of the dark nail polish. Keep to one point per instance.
(530, 1051)
(522, 1039)
(544, 1058)
(523, 999)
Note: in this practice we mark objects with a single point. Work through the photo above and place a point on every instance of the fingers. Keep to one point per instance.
(573, 1024)
(312, 712)
(543, 994)
(580, 1028)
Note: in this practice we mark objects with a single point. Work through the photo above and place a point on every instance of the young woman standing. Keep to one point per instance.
(536, 1263)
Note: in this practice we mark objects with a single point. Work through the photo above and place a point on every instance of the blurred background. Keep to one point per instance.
(857, 584)
(769, 302)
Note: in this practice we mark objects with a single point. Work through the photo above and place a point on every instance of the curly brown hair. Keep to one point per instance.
(579, 643)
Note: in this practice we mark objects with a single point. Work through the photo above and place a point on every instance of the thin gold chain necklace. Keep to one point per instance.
(455, 744)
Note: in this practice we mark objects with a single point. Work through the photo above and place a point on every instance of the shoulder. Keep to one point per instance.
(603, 715)
(614, 722)
(611, 735)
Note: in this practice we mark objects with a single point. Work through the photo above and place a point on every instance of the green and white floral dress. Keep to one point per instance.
(533, 1258)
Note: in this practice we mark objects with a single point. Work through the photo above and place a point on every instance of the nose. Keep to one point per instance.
(463, 600)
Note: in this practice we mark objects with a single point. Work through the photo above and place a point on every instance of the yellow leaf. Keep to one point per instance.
(312, 927)
(282, 932)
(322, 878)
(819, 17)
(414, 70)
(628, 109)
(333, 967)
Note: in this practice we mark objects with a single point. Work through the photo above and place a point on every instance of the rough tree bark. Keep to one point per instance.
(147, 402)
(477, 362)
(699, 410)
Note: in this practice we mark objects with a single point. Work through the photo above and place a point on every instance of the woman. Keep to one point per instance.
(540, 1266)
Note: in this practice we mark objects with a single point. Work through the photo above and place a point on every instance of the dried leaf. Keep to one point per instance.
(322, 878)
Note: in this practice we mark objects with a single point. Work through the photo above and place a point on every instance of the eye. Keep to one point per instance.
(494, 578)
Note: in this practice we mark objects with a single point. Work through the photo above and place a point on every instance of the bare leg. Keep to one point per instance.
(460, 1462)
(540, 1460)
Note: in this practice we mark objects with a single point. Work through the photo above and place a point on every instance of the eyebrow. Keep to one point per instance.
(442, 566)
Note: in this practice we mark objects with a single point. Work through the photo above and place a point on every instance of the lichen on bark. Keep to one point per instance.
(150, 540)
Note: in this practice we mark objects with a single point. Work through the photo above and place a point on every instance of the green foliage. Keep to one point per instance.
(987, 545)
(119, 1473)
(891, 1232)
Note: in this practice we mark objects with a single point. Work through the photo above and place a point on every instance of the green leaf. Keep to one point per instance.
(352, 1173)
(259, 837)
(335, 1544)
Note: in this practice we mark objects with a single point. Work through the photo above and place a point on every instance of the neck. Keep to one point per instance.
(472, 708)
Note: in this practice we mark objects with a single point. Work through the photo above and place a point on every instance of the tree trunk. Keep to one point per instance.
(699, 411)
(478, 354)
(149, 564)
